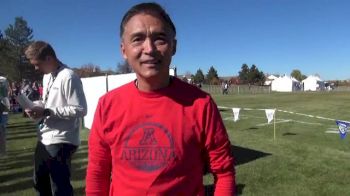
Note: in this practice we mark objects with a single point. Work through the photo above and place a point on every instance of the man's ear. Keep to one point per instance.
(48, 58)
(122, 50)
(174, 46)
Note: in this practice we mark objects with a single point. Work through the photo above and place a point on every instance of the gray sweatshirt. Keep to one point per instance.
(63, 94)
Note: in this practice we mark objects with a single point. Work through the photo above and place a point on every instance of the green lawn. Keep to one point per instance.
(17, 167)
(304, 159)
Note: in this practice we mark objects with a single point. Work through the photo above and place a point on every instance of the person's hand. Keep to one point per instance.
(35, 113)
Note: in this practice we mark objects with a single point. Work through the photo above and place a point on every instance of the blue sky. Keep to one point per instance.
(275, 35)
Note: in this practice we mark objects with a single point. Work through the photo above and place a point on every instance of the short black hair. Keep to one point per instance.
(146, 8)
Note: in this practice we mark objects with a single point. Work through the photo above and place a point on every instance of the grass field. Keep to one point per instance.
(304, 159)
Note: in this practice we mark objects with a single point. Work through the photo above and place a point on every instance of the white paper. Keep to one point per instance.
(39, 103)
(24, 101)
(235, 114)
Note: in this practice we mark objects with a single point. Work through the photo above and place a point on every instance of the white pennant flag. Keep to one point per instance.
(235, 114)
(270, 113)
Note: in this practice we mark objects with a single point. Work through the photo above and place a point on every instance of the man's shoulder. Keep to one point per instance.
(189, 92)
(68, 73)
(68, 70)
(188, 88)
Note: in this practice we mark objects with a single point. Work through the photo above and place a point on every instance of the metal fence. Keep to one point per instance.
(342, 88)
(246, 89)
(237, 89)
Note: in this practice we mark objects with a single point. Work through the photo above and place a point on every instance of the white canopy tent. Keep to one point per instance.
(313, 83)
(285, 84)
(269, 80)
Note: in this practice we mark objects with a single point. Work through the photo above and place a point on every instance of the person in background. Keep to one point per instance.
(35, 88)
(40, 90)
(4, 108)
(27, 89)
(225, 88)
(63, 107)
(15, 89)
(157, 134)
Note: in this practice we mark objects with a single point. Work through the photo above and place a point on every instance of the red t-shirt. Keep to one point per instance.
(158, 143)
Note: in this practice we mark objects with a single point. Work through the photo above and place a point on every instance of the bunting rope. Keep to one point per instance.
(343, 126)
(297, 113)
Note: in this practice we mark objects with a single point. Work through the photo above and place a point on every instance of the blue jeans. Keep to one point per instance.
(3, 123)
(52, 173)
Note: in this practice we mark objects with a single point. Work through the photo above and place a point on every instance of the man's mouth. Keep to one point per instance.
(151, 62)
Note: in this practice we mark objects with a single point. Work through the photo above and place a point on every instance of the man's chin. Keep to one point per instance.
(151, 73)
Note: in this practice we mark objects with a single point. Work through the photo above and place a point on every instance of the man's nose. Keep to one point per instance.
(149, 46)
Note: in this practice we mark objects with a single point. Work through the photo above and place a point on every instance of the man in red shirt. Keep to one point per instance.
(156, 135)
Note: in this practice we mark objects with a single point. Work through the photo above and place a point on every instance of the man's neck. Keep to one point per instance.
(55, 65)
(152, 85)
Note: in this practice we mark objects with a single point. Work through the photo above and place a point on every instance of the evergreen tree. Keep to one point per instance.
(251, 75)
(6, 60)
(198, 77)
(244, 74)
(212, 76)
(19, 36)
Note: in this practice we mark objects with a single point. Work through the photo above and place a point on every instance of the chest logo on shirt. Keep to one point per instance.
(148, 147)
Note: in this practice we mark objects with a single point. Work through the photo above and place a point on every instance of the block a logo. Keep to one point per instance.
(148, 147)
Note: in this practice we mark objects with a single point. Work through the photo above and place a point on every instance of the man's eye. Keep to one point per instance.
(160, 41)
(136, 39)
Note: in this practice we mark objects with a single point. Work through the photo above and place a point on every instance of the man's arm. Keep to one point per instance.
(218, 148)
(76, 103)
(98, 175)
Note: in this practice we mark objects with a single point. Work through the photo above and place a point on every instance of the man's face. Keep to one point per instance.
(40, 65)
(148, 45)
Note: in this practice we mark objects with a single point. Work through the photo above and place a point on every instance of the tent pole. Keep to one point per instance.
(274, 125)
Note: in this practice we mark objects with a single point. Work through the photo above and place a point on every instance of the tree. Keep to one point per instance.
(244, 74)
(18, 37)
(6, 61)
(198, 77)
(212, 76)
(124, 67)
(251, 75)
(256, 76)
(88, 70)
(19, 34)
(260, 79)
(297, 75)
